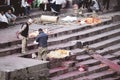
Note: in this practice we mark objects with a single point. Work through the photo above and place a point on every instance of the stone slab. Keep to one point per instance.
(16, 68)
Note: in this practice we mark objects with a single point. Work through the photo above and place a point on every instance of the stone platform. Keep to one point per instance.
(16, 68)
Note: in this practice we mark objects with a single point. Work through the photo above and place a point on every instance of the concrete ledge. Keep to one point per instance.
(15, 68)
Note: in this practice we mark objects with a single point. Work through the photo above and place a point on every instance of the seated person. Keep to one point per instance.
(45, 5)
(3, 20)
(94, 6)
(10, 16)
(56, 6)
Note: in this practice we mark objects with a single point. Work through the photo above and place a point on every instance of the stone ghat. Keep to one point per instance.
(60, 35)
(103, 38)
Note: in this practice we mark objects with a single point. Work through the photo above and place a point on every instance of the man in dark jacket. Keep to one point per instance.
(23, 34)
(42, 45)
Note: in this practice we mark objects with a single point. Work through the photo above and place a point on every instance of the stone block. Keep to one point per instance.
(68, 63)
(16, 68)
(116, 18)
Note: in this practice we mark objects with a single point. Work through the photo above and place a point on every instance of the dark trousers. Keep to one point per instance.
(106, 4)
(3, 24)
(26, 10)
(56, 7)
(42, 7)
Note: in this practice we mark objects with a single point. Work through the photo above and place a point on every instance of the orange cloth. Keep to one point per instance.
(92, 20)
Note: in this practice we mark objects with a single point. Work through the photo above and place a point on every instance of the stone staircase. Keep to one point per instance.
(103, 38)
(57, 39)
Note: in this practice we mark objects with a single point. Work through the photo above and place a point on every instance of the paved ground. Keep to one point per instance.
(9, 34)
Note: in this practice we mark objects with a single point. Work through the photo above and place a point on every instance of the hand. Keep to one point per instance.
(17, 34)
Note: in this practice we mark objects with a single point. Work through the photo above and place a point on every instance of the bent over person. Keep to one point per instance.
(42, 45)
(23, 34)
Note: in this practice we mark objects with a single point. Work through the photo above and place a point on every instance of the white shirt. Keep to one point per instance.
(24, 3)
(43, 1)
(58, 1)
(8, 2)
(3, 18)
(96, 5)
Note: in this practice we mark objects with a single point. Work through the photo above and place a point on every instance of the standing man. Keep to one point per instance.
(42, 45)
(23, 34)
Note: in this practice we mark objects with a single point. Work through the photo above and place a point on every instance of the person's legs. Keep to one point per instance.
(104, 4)
(28, 10)
(24, 44)
(42, 7)
(3, 24)
(58, 7)
(44, 55)
(25, 11)
(13, 16)
(107, 4)
(40, 53)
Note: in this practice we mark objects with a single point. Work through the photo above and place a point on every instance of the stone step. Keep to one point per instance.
(100, 37)
(109, 50)
(75, 28)
(117, 54)
(9, 44)
(108, 42)
(83, 57)
(56, 30)
(90, 62)
(15, 49)
(112, 78)
(98, 76)
(54, 62)
(69, 45)
(111, 57)
(63, 69)
(57, 71)
(105, 43)
(15, 42)
(67, 76)
(83, 34)
(116, 61)
(30, 52)
(14, 46)
(78, 51)
(68, 63)
(76, 74)
(57, 62)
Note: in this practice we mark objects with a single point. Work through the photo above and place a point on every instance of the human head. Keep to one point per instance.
(30, 21)
(2, 12)
(40, 30)
(9, 11)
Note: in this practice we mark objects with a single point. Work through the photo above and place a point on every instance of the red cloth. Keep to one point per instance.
(29, 1)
